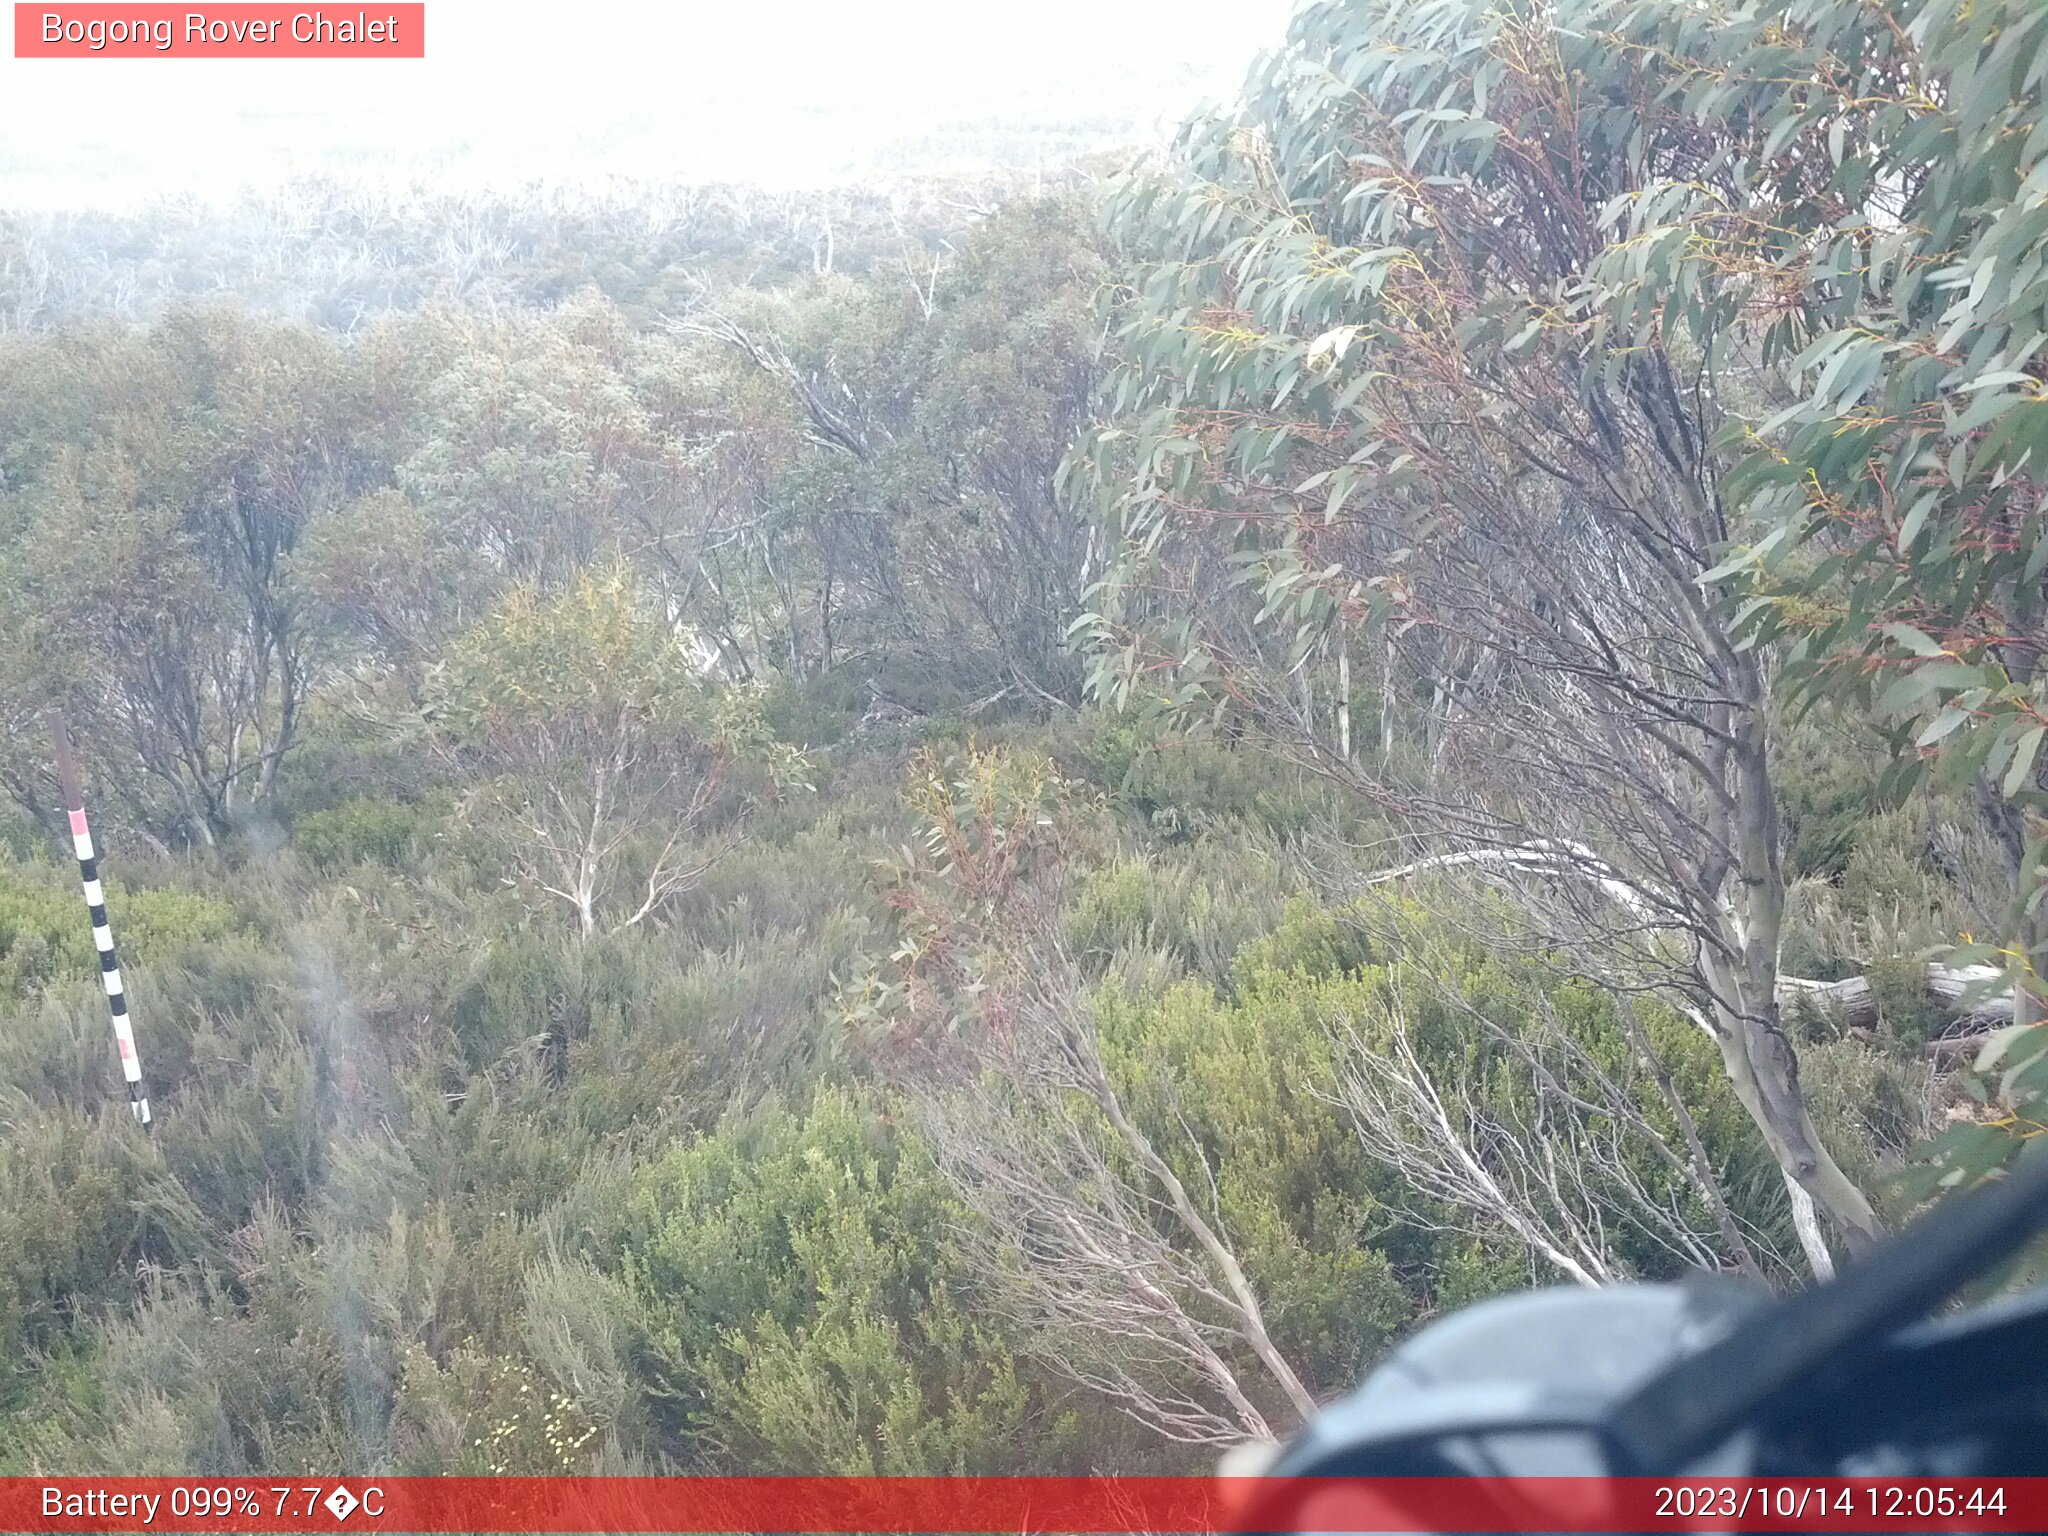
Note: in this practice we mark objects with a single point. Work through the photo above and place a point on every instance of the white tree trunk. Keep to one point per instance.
(1806, 1222)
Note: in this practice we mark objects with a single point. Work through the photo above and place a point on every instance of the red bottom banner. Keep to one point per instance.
(1019, 1506)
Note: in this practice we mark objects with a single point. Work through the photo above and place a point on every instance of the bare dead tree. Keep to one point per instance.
(583, 808)
(1093, 1241)
(1977, 1010)
(1562, 1164)
(1081, 1266)
(1087, 1233)
(579, 717)
(1516, 1179)
(829, 409)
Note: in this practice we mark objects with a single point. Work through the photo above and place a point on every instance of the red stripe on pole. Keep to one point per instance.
(74, 800)
(1020, 1505)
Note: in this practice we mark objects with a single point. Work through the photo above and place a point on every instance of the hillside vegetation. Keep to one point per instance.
(1007, 830)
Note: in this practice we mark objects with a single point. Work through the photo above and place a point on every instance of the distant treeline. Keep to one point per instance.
(336, 254)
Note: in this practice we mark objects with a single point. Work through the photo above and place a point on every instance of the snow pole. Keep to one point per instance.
(96, 908)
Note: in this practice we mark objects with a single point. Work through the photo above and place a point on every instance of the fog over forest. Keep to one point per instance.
(519, 93)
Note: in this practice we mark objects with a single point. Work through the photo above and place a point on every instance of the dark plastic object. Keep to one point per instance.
(1711, 1376)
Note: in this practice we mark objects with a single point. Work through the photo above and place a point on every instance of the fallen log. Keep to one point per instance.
(1975, 1010)
(1855, 999)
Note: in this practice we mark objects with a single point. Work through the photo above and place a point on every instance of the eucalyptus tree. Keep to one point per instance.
(594, 737)
(533, 444)
(890, 455)
(156, 493)
(1395, 378)
(1877, 206)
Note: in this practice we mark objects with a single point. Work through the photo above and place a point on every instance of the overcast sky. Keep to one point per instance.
(788, 93)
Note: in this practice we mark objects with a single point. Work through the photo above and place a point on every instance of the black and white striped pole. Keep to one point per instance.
(96, 907)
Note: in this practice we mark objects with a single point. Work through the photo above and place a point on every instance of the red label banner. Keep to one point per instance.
(228, 31)
(1018, 1506)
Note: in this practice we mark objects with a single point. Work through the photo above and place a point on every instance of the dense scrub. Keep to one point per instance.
(691, 903)
(440, 1187)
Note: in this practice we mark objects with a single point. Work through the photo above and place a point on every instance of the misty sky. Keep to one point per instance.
(788, 93)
